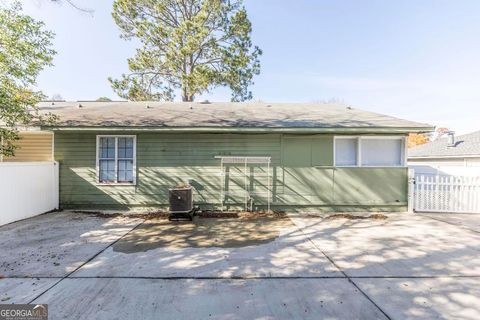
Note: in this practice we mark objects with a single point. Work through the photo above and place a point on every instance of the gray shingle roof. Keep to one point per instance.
(220, 114)
(465, 145)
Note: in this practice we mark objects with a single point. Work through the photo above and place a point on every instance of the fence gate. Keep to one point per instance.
(435, 193)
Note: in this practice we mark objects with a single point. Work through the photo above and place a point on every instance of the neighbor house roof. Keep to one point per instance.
(224, 116)
(465, 145)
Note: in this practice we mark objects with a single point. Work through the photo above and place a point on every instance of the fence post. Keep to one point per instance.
(56, 186)
(411, 187)
(419, 194)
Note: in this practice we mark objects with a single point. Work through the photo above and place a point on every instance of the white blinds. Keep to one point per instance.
(382, 152)
(346, 152)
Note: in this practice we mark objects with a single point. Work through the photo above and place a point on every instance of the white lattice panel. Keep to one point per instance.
(447, 194)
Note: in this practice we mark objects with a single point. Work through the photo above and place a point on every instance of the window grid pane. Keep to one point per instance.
(125, 148)
(120, 154)
(107, 148)
(125, 171)
(107, 171)
(382, 152)
(346, 152)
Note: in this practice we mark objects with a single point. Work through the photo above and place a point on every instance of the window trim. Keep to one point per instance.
(359, 138)
(134, 166)
(335, 151)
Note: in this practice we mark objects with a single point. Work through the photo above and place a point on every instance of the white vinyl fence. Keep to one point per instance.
(27, 189)
(435, 193)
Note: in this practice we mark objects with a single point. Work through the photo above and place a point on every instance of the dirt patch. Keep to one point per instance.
(98, 214)
(146, 216)
(242, 214)
(202, 214)
(202, 233)
(349, 216)
(151, 215)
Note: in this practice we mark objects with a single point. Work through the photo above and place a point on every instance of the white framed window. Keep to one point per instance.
(369, 151)
(346, 152)
(116, 159)
(382, 152)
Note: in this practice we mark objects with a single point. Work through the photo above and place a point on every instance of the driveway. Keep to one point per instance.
(302, 267)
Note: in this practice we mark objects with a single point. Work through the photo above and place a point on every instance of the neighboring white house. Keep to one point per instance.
(455, 156)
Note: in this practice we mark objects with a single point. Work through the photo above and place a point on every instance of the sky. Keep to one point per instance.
(418, 60)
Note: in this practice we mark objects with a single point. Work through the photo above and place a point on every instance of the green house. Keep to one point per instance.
(236, 156)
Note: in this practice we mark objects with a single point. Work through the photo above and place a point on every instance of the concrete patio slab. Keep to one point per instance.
(55, 244)
(470, 221)
(219, 248)
(208, 299)
(23, 290)
(403, 245)
(409, 266)
(434, 298)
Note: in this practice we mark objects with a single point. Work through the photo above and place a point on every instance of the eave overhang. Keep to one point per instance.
(331, 130)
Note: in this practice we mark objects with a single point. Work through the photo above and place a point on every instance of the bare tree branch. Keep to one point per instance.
(74, 5)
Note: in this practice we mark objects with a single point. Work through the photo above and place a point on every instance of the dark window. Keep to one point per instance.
(116, 159)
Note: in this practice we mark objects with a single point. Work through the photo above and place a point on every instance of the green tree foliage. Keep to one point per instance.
(25, 49)
(191, 45)
(103, 99)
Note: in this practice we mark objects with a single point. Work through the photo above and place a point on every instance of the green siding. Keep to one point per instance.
(322, 151)
(297, 151)
(307, 151)
(370, 186)
(301, 167)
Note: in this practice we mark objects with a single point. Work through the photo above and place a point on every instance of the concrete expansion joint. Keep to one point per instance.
(450, 223)
(349, 278)
(80, 266)
(344, 273)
